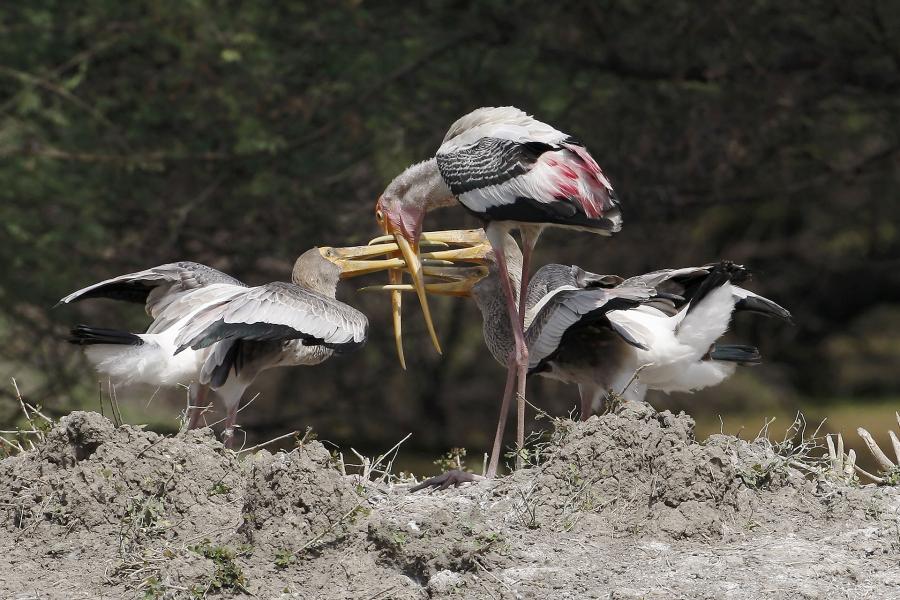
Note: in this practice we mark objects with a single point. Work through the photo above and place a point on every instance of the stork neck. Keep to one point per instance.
(497, 328)
(315, 273)
(423, 184)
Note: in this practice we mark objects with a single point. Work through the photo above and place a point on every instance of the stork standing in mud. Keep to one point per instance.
(511, 171)
(212, 331)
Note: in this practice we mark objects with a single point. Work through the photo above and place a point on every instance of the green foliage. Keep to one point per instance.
(227, 575)
(137, 133)
(454, 459)
(284, 558)
(219, 488)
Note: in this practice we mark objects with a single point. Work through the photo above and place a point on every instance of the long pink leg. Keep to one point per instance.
(501, 422)
(199, 402)
(530, 236)
(587, 400)
(520, 357)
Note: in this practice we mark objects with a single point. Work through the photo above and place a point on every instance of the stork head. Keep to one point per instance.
(400, 212)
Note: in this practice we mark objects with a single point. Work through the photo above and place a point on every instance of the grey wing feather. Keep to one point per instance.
(156, 287)
(671, 281)
(567, 307)
(487, 162)
(278, 311)
(188, 304)
(553, 277)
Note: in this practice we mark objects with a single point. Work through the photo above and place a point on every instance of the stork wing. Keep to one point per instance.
(553, 277)
(181, 308)
(487, 162)
(504, 122)
(277, 311)
(504, 165)
(156, 287)
(568, 306)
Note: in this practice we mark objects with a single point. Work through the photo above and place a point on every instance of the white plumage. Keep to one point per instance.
(217, 332)
(502, 122)
(655, 331)
(675, 344)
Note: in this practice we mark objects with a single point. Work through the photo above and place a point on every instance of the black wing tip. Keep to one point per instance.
(765, 307)
(736, 353)
(83, 335)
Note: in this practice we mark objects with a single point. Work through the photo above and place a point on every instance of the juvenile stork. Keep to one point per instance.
(668, 343)
(149, 357)
(511, 171)
(211, 330)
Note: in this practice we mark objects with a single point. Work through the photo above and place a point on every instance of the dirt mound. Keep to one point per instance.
(626, 505)
(91, 476)
(643, 472)
(293, 500)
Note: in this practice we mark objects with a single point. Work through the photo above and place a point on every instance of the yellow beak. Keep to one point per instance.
(394, 253)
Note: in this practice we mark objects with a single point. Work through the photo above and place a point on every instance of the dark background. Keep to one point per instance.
(241, 134)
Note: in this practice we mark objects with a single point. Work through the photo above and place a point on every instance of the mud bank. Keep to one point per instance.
(626, 505)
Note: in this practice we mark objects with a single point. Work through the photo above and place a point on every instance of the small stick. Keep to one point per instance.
(272, 441)
(896, 444)
(249, 402)
(22, 403)
(38, 413)
(395, 447)
(633, 377)
(13, 445)
(850, 464)
(861, 471)
(883, 461)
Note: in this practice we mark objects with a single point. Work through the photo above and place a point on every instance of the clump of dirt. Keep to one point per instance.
(644, 472)
(295, 500)
(626, 505)
(91, 476)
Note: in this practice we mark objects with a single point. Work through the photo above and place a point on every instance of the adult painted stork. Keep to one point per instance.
(211, 330)
(602, 332)
(511, 171)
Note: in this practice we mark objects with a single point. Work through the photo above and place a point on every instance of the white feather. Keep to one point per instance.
(676, 344)
(503, 122)
(152, 362)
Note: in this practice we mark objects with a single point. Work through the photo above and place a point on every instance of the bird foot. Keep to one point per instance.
(445, 480)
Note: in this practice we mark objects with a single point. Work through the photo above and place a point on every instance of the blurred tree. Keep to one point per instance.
(240, 134)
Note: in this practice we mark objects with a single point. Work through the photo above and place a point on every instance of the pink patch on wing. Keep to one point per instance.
(592, 179)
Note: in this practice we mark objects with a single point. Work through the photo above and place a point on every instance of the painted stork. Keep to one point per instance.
(511, 171)
(602, 332)
(149, 357)
(668, 343)
(211, 330)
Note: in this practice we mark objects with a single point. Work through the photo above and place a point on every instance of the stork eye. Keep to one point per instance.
(379, 215)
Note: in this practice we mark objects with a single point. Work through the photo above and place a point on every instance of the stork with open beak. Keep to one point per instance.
(658, 330)
(511, 171)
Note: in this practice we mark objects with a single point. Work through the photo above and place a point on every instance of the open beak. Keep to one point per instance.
(451, 281)
(466, 246)
(433, 271)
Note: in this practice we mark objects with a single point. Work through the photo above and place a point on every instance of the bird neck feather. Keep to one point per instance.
(421, 185)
